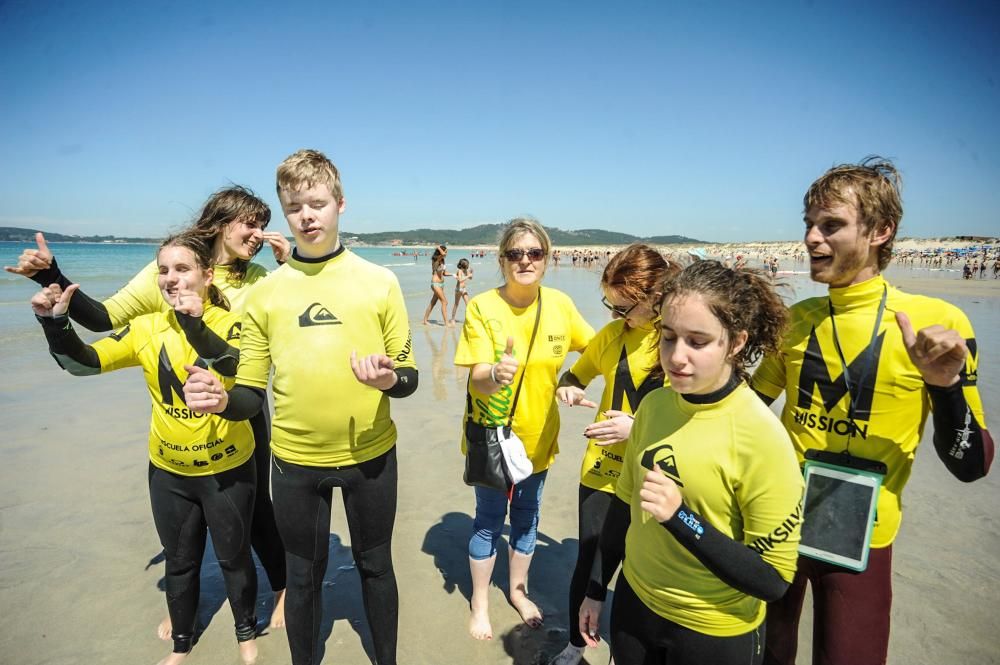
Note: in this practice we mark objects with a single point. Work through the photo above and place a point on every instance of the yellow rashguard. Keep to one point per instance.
(180, 440)
(624, 356)
(893, 402)
(142, 294)
(489, 320)
(306, 318)
(734, 466)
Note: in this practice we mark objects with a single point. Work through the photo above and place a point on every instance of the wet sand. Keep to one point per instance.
(81, 572)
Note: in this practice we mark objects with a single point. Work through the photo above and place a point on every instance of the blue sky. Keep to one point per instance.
(651, 118)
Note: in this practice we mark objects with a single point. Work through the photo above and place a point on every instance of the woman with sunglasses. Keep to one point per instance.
(625, 353)
(233, 224)
(517, 331)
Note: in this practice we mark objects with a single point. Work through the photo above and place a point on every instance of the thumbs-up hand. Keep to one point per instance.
(33, 260)
(503, 372)
(52, 300)
(937, 352)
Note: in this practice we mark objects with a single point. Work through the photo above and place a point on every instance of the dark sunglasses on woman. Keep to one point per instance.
(535, 254)
(621, 310)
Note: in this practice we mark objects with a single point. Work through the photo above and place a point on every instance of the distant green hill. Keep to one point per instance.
(488, 234)
(484, 234)
(16, 234)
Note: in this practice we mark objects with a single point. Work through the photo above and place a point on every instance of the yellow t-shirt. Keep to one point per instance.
(306, 318)
(142, 294)
(734, 466)
(489, 321)
(624, 357)
(180, 440)
(893, 402)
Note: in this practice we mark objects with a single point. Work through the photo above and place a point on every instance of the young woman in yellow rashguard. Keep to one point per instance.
(233, 224)
(625, 353)
(201, 468)
(708, 502)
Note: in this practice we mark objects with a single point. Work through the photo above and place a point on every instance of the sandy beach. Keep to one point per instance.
(81, 571)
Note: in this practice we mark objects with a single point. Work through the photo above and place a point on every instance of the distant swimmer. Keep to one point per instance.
(860, 369)
(201, 469)
(463, 275)
(438, 272)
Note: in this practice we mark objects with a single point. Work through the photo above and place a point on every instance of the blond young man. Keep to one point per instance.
(857, 378)
(339, 352)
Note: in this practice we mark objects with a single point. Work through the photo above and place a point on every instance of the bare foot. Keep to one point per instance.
(479, 624)
(163, 630)
(173, 659)
(530, 614)
(278, 614)
(248, 652)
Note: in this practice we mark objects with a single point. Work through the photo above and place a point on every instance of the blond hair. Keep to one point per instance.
(308, 168)
(516, 228)
(874, 187)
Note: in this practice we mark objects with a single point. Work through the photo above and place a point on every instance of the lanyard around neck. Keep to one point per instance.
(854, 389)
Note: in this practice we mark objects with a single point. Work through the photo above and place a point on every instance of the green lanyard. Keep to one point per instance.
(854, 390)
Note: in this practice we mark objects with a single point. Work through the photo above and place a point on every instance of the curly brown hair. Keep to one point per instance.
(740, 300)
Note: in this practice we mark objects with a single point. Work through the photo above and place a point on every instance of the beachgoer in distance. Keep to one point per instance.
(842, 355)
(438, 273)
(626, 353)
(463, 275)
(201, 471)
(325, 337)
(495, 341)
(708, 503)
(233, 224)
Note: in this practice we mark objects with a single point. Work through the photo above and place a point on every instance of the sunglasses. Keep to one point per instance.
(621, 310)
(535, 254)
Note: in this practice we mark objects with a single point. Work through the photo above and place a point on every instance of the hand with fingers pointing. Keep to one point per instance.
(52, 301)
(614, 429)
(572, 396)
(32, 261)
(203, 391)
(375, 370)
(938, 353)
(504, 370)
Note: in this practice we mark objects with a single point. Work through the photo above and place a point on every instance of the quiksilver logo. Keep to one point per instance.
(663, 457)
(318, 315)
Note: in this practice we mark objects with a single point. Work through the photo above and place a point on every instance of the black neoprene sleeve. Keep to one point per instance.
(960, 441)
(244, 402)
(89, 313)
(63, 341)
(406, 383)
(734, 563)
(611, 550)
(223, 357)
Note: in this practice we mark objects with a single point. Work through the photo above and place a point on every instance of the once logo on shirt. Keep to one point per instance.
(318, 315)
(663, 457)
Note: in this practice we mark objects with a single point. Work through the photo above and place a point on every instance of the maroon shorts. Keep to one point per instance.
(850, 613)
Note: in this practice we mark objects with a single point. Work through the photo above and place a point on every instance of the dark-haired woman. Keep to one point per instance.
(233, 225)
(708, 504)
(438, 272)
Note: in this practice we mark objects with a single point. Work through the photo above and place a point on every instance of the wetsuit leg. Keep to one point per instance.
(783, 620)
(639, 635)
(302, 497)
(370, 505)
(227, 501)
(852, 612)
(265, 538)
(181, 527)
(593, 507)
